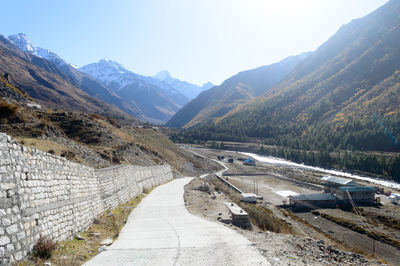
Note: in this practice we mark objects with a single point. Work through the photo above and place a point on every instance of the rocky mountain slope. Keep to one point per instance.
(189, 90)
(156, 100)
(239, 89)
(22, 42)
(90, 139)
(71, 74)
(46, 82)
(345, 95)
(147, 98)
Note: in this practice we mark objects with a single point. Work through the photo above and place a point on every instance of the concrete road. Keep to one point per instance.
(160, 231)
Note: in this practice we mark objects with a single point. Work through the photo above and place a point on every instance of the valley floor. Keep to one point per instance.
(274, 183)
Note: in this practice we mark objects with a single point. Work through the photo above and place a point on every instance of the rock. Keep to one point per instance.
(321, 242)
(79, 237)
(102, 248)
(47, 263)
(108, 241)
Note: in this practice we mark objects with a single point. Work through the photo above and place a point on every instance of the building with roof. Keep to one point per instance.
(333, 181)
(313, 201)
(346, 189)
(359, 194)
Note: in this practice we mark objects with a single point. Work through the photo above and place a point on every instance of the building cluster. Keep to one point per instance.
(337, 191)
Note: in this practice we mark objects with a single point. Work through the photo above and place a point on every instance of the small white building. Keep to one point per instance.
(249, 197)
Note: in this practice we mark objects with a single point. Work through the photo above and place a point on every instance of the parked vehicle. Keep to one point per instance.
(394, 199)
(249, 162)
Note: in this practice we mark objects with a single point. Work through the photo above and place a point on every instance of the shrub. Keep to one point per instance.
(44, 248)
(8, 111)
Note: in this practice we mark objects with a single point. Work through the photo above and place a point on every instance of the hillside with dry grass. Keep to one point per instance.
(92, 139)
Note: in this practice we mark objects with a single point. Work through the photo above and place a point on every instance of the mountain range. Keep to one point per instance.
(346, 94)
(343, 95)
(57, 87)
(237, 90)
(186, 88)
(147, 98)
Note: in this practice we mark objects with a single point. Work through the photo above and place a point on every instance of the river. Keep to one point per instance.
(279, 161)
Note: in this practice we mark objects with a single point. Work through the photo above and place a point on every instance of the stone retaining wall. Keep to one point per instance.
(49, 196)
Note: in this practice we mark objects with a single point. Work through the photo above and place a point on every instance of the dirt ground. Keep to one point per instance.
(274, 183)
(271, 189)
(305, 247)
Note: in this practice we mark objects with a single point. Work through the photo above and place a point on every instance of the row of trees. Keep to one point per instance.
(377, 164)
(312, 143)
(371, 134)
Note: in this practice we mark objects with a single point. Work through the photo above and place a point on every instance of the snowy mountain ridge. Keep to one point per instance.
(188, 89)
(22, 42)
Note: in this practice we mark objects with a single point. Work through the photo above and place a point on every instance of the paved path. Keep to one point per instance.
(160, 231)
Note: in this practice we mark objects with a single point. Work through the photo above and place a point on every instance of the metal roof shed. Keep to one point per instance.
(339, 181)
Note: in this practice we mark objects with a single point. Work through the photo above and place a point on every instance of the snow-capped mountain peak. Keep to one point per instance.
(24, 43)
(109, 71)
(186, 88)
(162, 75)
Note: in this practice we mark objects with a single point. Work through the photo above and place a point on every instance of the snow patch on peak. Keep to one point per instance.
(109, 71)
(109, 64)
(183, 87)
(162, 75)
(24, 43)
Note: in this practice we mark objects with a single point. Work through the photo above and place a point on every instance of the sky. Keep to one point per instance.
(195, 40)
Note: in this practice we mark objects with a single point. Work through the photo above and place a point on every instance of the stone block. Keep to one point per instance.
(12, 229)
(6, 221)
(10, 247)
(4, 240)
(18, 256)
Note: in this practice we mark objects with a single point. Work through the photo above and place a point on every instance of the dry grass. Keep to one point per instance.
(340, 245)
(165, 149)
(260, 216)
(43, 145)
(77, 252)
(10, 113)
(357, 228)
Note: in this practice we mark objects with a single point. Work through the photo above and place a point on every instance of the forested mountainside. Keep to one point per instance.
(346, 95)
(239, 89)
(53, 87)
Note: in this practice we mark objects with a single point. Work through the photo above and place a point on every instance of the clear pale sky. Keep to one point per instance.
(196, 40)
